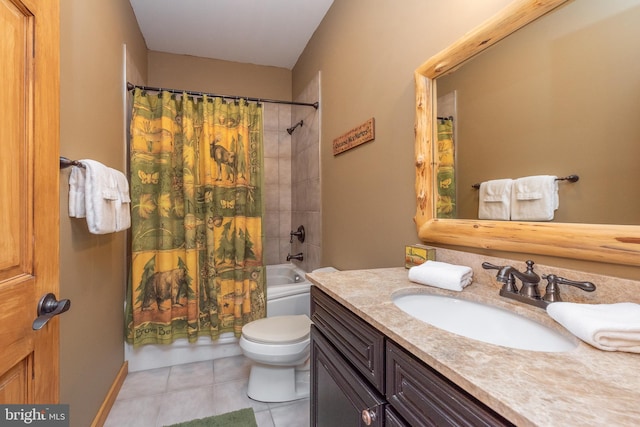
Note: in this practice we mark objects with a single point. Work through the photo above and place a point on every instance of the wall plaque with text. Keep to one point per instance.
(356, 136)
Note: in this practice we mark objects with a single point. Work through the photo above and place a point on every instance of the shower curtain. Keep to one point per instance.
(197, 233)
(445, 170)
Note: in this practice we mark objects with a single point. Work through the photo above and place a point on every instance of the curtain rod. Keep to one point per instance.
(131, 86)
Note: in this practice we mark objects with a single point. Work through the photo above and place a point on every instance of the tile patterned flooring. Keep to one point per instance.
(165, 396)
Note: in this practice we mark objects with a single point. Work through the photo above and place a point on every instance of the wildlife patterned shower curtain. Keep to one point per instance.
(445, 170)
(197, 207)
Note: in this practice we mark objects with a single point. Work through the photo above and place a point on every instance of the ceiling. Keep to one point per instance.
(263, 32)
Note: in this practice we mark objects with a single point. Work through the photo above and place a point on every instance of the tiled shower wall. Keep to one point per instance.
(277, 175)
(292, 179)
(305, 180)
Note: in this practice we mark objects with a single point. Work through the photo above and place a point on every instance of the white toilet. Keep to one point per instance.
(279, 349)
(279, 346)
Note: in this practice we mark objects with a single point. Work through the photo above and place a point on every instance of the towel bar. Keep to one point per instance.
(65, 163)
(570, 178)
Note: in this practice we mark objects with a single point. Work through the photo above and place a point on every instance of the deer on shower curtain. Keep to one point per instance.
(197, 209)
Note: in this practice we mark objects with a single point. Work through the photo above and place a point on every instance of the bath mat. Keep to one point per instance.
(241, 418)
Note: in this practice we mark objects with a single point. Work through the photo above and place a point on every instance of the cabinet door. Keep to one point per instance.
(339, 395)
(425, 398)
(360, 343)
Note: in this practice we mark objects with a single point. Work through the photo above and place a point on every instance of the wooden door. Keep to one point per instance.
(29, 198)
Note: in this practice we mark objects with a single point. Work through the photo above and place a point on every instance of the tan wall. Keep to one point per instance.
(367, 53)
(92, 267)
(217, 76)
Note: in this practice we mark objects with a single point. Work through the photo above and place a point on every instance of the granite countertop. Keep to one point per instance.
(582, 387)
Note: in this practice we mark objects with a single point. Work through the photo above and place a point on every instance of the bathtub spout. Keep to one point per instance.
(299, 257)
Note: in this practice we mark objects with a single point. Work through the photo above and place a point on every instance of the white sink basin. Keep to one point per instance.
(483, 322)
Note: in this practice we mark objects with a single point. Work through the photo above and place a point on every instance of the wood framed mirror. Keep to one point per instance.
(618, 244)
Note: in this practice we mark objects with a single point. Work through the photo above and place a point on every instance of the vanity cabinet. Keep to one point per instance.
(359, 377)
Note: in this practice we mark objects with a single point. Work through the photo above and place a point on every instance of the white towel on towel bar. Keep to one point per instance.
(106, 197)
(534, 198)
(611, 327)
(76, 192)
(123, 203)
(495, 199)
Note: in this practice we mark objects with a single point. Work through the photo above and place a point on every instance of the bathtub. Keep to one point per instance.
(287, 293)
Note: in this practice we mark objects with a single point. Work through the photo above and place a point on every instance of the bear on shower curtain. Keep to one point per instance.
(197, 233)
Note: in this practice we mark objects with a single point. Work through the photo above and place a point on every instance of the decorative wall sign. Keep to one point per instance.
(359, 135)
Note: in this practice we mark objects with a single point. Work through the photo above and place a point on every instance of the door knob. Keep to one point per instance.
(48, 307)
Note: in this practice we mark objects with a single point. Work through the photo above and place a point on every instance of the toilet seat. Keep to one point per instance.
(278, 329)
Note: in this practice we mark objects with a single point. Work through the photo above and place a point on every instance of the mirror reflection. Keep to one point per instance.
(558, 97)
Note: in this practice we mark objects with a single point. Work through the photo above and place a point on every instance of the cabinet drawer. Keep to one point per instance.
(425, 398)
(359, 342)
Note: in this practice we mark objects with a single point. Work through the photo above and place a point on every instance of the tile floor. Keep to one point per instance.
(165, 396)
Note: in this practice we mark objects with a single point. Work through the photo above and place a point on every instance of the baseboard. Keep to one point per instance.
(105, 408)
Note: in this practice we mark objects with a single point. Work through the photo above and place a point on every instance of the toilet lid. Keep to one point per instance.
(278, 329)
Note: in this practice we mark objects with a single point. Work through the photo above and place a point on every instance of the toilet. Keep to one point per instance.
(279, 347)
(279, 350)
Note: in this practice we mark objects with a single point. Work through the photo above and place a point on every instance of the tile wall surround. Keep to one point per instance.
(277, 176)
(305, 179)
(608, 289)
(292, 179)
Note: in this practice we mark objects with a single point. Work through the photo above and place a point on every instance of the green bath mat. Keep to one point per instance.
(241, 418)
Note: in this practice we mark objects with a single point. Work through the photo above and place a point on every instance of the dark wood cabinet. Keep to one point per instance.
(361, 378)
(340, 394)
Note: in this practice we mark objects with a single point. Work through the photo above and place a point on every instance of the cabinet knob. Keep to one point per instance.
(368, 416)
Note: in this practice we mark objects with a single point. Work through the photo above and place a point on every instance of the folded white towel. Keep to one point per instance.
(101, 192)
(76, 192)
(442, 275)
(123, 203)
(106, 196)
(495, 199)
(611, 327)
(534, 198)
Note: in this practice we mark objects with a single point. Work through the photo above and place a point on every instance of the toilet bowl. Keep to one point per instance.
(279, 350)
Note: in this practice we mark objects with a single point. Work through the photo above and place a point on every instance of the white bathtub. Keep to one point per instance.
(287, 293)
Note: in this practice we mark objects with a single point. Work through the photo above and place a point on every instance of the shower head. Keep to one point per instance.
(292, 128)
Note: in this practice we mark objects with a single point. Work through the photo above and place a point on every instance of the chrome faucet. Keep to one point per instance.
(298, 256)
(529, 293)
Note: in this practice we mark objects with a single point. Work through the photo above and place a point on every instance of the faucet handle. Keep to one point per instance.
(489, 266)
(552, 292)
(504, 276)
(299, 233)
